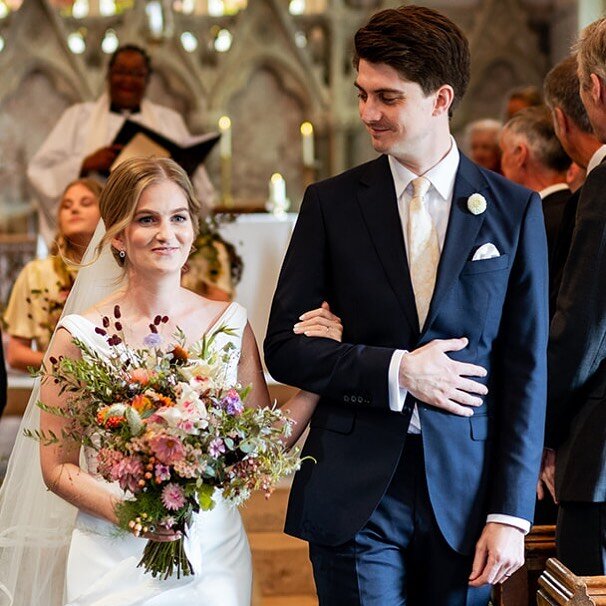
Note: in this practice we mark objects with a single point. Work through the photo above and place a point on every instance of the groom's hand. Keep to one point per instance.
(499, 553)
(432, 377)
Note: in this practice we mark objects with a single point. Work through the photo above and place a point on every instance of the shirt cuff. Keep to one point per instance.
(397, 395)
(520, 523)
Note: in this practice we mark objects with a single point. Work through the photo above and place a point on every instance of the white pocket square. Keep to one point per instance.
(486, 251)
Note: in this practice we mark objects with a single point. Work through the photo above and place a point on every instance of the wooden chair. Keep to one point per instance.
(558, 587)
(521, 588)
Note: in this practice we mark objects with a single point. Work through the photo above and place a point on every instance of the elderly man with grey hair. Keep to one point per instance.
(576, 404)
(532, 156)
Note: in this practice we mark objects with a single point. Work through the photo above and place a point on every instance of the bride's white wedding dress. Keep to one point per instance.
(102, 566)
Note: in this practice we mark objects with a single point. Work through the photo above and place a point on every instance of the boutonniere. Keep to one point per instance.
(476, 203)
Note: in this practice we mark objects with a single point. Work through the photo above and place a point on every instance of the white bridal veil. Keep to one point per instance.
(35, 524)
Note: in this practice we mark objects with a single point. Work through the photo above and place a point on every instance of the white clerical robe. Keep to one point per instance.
(84, 128)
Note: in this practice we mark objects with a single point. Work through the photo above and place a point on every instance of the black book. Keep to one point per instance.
(139, 140)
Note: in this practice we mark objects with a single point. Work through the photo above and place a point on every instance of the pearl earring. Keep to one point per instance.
(122, 254)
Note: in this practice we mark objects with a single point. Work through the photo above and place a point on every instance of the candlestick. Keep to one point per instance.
(225, 143)
(307, 143)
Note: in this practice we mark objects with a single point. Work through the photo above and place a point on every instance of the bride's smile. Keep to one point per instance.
(161, 232)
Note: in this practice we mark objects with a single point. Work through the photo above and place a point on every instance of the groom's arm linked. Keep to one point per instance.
(350, 373)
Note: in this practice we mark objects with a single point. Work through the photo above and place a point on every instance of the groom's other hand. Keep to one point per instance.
(499, 553)
(434, 378)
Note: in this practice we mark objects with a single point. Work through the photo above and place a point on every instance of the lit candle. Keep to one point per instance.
(225, 144)
(307, 142)
(277, 189)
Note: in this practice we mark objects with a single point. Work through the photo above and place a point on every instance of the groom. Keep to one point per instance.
(429, 430)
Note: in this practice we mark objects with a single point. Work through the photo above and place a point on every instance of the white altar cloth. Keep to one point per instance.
(261, 239)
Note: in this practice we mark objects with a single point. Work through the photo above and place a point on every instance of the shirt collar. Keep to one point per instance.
(597, 158)
(552, 189)
(441, 176)
(124, 112)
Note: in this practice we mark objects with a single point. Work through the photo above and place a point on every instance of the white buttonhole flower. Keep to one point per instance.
(476, 203)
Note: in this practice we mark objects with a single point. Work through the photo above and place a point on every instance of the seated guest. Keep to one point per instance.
(520, 98)
(81, 142)
(42, 287)
(482, 142)
(533, 156)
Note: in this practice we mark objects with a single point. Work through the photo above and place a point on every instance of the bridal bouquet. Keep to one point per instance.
(170, 429)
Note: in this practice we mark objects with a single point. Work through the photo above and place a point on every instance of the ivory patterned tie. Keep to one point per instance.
(422, 247)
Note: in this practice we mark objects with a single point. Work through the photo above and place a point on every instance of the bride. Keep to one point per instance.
(66, 550)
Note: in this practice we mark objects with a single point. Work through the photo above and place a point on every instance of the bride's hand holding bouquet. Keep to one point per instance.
(169, 428)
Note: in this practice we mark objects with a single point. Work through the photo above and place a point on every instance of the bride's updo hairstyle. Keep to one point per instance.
(124, 187)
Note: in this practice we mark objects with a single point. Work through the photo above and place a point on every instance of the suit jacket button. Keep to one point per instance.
(360, 399)
(346, 398)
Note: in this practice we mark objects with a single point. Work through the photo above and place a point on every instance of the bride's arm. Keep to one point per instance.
(316, 323)
(60, 462)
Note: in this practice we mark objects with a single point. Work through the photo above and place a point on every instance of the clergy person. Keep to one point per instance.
(81, 142)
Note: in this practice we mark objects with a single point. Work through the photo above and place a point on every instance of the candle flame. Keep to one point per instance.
(224, 123)
(307, 128)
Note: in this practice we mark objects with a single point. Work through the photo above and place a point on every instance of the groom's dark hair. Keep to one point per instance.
(421, 44)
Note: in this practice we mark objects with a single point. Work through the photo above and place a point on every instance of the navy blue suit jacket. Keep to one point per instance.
(348, 249)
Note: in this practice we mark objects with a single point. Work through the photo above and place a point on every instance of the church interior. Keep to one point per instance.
(275, 79)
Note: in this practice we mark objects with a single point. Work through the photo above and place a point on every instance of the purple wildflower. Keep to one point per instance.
(216, 448)
(232, 403)
(152, 340)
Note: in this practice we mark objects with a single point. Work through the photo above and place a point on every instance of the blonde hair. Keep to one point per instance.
(591, 52)
(123, 190)
(61, 245)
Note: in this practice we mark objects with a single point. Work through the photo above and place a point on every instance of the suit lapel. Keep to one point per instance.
(463, 228)
(379, 206)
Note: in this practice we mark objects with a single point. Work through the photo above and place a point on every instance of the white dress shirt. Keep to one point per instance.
(552, 189)
(597, 158)
(438, 200)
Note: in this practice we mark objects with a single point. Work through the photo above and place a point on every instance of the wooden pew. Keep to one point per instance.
(521, 588)
(560, 587)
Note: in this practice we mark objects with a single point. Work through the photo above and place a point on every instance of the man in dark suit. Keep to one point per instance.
(574, 130)
(576, 416)
(428, 434)
(532, 155)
